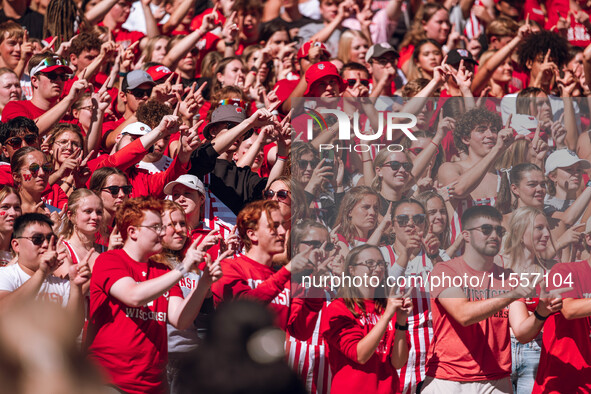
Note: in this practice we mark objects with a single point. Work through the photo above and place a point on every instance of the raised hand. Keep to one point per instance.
(49, 262)
(505, 136)
(80, 273)
(115, 239)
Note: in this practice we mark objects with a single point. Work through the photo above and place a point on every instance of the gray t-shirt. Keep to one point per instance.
(332, 45)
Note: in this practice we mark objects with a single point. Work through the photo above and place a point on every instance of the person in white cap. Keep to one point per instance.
(48, 74)
(564, 170)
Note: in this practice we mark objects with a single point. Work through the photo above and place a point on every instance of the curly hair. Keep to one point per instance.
(151, 112)
(470, 120)
(538, 44)
(85, 41)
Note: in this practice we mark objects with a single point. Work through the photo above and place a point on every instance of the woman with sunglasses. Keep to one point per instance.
(308, 358)
(365, 344)
(526, 250)
(82, 223)
(112, 186)
(10, 209)
(31, 172)
(438, 214)
(416, 251)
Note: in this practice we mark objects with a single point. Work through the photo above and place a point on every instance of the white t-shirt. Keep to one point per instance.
(156, 167)
(53, 288)
(136, 21)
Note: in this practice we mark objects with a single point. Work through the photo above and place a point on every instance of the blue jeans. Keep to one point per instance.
(524, 366)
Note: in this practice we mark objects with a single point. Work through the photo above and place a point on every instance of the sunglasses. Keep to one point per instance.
(305, 163)
(17, 142)
(415, 151)
(53, 76)
(114, 190)
(47, 168)
(371, 264)
(317, 244)
(194, 52)
(282, 195)
(395, 165)
(487, 229)
(38, 239)
(140, 93)
(403, 220)
(233, 101)
(353, 82)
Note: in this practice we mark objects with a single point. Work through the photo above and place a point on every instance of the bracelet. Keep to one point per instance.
(365, 161)
(229, 42)
(122, 74)
(401, 328)
(436, 146)
(181, 268)
(540, 317)
(281, 157)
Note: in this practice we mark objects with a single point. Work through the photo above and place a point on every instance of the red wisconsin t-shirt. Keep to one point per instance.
(130, 343)
(21, 108)
(246, 278)
(481, 351)
(565, 363)
(342, 333)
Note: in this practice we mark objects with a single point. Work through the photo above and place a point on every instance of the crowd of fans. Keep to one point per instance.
(161, 158)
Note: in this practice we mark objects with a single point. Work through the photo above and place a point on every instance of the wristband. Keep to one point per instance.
(401, 328)
(122, 74)
(229, 42)
(281, 157)
(436, 146)
(540, 317)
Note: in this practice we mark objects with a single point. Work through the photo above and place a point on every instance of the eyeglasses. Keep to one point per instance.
(47, 168)
(415, 151)
(371, 264)
(88, 108)
(395, 165)
(140, 93)
(62, 143)
(282, 195)
(233, 101)
(382, 61)
(54, 76)
(353, 82)
(156, 227)
(38, 239)
(317, 244)
(114, 190)
(403, 220)
(487, 229)
(17, 142)
(305, 163)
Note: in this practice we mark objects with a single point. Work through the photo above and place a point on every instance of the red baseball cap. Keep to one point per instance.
(159, 72)
(319, 71)
(305, 49)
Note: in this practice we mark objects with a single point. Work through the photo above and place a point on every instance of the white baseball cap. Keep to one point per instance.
(191, 181)
(563, 158)
(136, 128)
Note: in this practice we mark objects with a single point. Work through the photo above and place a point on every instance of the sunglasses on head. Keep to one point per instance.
(403, 220)
(54, 76)
(140, 93)
(487, 230)
(317, 244)
(305, 163)
(352, 82)
(395, 165)
(114, 190)
(234, 101)
(282, 195)
(47, 168)
(17, 142)
(38, 239)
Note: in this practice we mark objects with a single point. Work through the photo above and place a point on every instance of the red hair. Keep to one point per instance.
(132, 212)
(248, 218)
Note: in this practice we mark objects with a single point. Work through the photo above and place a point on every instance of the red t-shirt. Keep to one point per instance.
(481, 351)
(246, 278)
(21, 108)
(130, 343)
(565, 363)
(55, 197)
(342, 333)
(126, 37)
(6, 174)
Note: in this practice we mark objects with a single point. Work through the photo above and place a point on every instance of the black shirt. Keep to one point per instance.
(31, 20)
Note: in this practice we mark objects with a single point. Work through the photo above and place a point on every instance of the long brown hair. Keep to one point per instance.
(352, 198)
(350, 294)
(417, 31)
